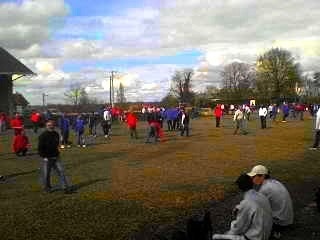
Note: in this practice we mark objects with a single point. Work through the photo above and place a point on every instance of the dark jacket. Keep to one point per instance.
(48, 146)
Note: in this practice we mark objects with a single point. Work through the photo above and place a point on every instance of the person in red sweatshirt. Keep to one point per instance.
(17, 124)
(35, 119)
(20, 144)
(218, 114)
(132, 120)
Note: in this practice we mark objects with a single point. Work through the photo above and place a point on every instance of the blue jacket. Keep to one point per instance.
(171, 114)
(64, 124)
(79, 126)
(285, 109)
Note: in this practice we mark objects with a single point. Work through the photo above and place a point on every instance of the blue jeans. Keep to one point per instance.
(80, 138)
(53, 163)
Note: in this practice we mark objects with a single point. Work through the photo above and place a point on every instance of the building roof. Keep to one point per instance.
(9, 65)
(19, 100)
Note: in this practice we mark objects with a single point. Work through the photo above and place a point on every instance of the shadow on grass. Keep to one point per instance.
(13, 175)
(88, 183)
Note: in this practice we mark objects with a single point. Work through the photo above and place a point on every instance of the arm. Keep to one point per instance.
(243, 219)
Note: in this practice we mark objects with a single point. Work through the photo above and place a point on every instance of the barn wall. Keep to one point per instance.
(6, 95)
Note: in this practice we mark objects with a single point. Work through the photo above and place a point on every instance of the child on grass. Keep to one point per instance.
(20, 144)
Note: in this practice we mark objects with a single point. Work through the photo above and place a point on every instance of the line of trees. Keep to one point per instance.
(275, 77)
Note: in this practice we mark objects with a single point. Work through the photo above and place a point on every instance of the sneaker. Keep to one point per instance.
(283, 121)
(313, 148)
(62, 146)
(68, 146)
(276, 235)
(83, 145)
(106, 136)
(2, 178)
(69, 190)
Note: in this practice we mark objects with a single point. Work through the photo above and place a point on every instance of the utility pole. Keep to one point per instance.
(44, 99)
(111, 95)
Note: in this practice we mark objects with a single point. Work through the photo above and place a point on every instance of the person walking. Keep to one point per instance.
(132, 124)
(64, 124)
(263, 112)
(274, 112)
(185, 120)
(92, 122)
(278, 196)
(106, 122)
(218, 114)
(238, 118)
(253, 216)
(317, 132)
(48, 148)
(79, 129)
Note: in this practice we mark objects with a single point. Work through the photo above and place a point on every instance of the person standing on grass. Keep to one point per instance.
(247, 112)
(253, 216)
(263, 112)
(3, 122)
(218, 114)
(285, 112)
(64, 124)
(238, 118)
(79, 129)
(20, 144)
(317, 132)
(48, 148)
(132, 124)
(274, 112)
(93, 124)
(106, 122)
(278, 196)
(35, 119)
(185, 120)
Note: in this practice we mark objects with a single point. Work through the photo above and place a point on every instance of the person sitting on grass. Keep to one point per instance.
(20, 144)
(253, 215)
(278, 196)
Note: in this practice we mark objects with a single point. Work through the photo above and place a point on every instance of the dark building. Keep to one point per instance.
(19, 102)
(9, 66)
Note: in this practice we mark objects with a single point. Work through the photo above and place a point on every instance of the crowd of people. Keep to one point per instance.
(266, 208)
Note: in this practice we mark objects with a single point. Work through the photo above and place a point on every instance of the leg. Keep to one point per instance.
(57, 166)
(24, 151)
(317, 139)
(46, 172)
(182, 130)
(187, 130)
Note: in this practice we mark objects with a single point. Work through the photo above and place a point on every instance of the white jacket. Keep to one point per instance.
(263, 112)
(254, 219)
(280, 201)
(317, 127)
(107, 115)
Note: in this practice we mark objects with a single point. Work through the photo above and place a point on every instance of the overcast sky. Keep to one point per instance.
(73, 42)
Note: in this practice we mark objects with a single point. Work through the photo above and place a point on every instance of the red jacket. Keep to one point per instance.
(35, 117)
(20, 142)
(218, 111)
(16, 123)
(131, 120)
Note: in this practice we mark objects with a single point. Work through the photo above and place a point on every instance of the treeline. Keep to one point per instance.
(276, 76)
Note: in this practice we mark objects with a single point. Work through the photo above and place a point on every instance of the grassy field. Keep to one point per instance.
(126, 185)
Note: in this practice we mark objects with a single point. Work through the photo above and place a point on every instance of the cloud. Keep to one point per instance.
(29, 23)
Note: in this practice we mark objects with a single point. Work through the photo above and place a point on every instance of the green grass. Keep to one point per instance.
(125, 185)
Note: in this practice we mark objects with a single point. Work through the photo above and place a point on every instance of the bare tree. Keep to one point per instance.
(121, 94)
(237, 79)
(181, 85)
(77, 96)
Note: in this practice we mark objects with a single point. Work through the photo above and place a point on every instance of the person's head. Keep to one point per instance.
(17, 114)
(50, 125)
(258, 174)
(244, 182)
